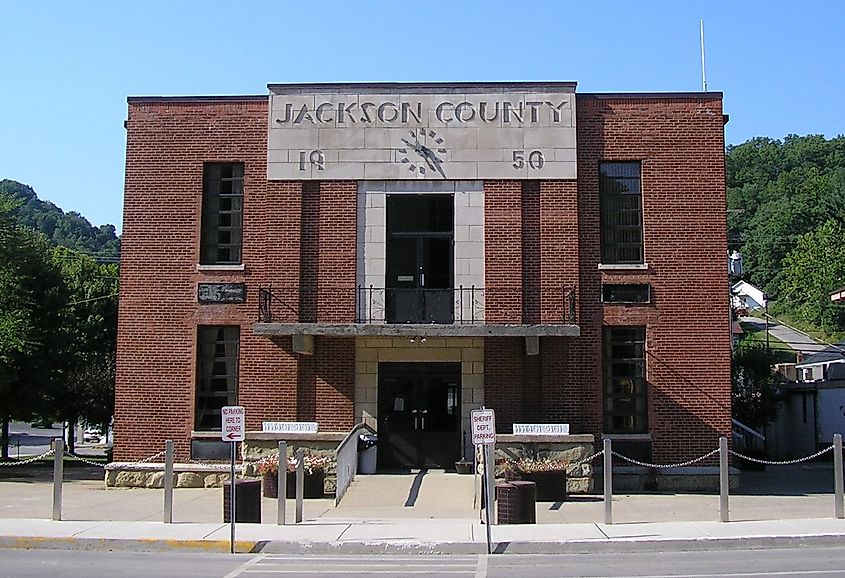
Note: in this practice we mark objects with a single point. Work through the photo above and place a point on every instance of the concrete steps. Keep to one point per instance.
(423, 494)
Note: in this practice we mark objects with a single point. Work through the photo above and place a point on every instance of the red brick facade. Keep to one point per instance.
(541, 239)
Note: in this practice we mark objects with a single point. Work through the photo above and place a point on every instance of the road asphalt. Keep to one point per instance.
(794, 507)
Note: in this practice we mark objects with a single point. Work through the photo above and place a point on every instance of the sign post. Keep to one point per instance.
(233, 419)
(484, 434)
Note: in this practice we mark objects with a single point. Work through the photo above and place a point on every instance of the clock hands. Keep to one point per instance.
(429, 155)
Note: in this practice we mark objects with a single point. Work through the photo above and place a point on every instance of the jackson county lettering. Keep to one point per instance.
(405, 112)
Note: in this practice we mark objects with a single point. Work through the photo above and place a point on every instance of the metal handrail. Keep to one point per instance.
(346, 460)
(466, 305)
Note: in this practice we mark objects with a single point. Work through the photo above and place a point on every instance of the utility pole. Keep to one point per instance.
(766, 304)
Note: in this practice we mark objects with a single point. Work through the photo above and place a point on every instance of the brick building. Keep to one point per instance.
(400, 254)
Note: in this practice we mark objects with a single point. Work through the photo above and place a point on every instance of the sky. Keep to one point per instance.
(67, 67)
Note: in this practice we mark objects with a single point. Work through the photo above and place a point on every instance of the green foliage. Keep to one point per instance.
(754, 387)
(782, 193)
(58, 312)
(69, 229)
(32, 296)
(811, 271)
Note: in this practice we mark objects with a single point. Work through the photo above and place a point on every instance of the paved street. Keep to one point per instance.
(793, 338)
(750, 563)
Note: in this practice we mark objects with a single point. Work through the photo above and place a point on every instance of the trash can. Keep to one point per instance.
(367, 453)
(516, 503)
(247, 501)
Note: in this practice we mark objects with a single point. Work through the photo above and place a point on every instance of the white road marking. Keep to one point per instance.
(481, 567)
(244, 567)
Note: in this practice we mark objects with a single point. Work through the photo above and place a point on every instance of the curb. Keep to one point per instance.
(126, 544)
(573, 547)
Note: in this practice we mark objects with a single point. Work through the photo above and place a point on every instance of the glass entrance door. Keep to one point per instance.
(419, 415)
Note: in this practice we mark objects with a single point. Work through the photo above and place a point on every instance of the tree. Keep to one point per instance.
(811, 271)
(88, 338)
(755, 393)
(31, 298)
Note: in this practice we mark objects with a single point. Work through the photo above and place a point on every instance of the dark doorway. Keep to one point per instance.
(419, 415)
(419, 259)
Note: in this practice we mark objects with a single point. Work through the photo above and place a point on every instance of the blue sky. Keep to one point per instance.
(67, 67)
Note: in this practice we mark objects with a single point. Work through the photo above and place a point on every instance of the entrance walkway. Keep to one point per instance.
(422, 494)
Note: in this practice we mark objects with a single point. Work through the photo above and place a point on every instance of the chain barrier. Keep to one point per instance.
(27, 461)
(586, 460)
(139, 462)
(76, 458)
(664, 466)
(207, 464)
(783, 463)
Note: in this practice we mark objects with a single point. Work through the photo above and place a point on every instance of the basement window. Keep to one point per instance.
(625, 293)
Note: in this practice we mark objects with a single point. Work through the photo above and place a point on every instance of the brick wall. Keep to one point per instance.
(540, 237)
(680, 142)
(167, 143)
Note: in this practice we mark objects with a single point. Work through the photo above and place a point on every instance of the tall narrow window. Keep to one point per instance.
(217, 373)
(222, 207)
(621, 213)
(625, 401)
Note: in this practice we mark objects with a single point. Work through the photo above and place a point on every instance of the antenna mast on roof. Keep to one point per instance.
(703, 70)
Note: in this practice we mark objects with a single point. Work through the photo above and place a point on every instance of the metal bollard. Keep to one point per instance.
(283, 483)
(168, 482)
(300, 482)
(724, 515)
(837, 476)
(58, 475)
(608, 482)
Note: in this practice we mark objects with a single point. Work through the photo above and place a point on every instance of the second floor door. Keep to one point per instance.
(419, 268)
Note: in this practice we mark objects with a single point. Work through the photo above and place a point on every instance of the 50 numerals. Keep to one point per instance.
(536, 160)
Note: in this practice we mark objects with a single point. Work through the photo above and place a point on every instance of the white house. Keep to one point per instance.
(744, 295)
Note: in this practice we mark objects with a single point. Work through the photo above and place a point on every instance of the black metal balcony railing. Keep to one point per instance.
(459, 305)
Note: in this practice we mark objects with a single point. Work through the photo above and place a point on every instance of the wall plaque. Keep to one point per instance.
(433, 131)
(221, 293)
(541, 429)
(289, 426)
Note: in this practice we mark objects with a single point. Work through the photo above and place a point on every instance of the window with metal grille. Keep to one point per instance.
(217, 373)
(222, 209)
(625, 400)
(625, 293)
(621, 213)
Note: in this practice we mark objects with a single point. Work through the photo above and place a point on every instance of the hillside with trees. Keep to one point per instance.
(70, 229)
(58, 314)
(786, 202)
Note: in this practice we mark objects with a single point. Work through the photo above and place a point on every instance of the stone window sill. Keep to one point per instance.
(623, 266)
(212, 268)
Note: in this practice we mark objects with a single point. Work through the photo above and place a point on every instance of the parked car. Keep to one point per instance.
(92, 435)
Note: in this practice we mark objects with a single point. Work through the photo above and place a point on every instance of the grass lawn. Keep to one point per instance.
(783, 353)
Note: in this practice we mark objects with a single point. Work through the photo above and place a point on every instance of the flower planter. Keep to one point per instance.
(313, 487)
(551, 485)
(270, 485)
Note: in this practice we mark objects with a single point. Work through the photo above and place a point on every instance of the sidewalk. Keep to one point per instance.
(416, 536)
(789, 506)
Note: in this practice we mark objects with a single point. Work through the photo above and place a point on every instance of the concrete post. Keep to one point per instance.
(58, 475)
(608, 482)
(168, 482)
(283, 483)
(300, 482)
(724, 515)
(837, 476)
